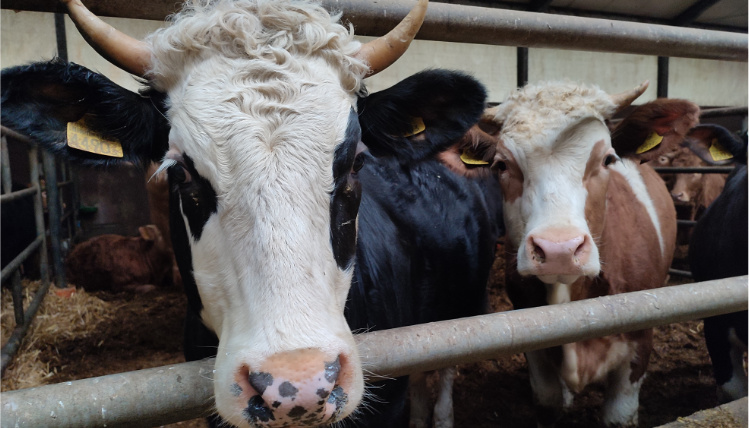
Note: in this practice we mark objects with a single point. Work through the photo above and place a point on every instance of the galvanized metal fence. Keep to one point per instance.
(184, 391)
(55, 218)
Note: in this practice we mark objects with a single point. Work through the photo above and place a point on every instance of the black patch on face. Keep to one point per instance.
(286, 389)
(339, 398)
(196, 194)
(344, 202)
(260, 381)
(257, 411)
(322, 393)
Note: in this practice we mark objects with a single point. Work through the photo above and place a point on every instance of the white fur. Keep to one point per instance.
(260, 93)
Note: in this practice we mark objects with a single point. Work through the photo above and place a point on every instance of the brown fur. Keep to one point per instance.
(120, 263)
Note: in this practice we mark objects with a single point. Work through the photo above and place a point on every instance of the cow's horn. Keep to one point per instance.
(489, 114)
(382, 52)
(625, 98)
(131, 55)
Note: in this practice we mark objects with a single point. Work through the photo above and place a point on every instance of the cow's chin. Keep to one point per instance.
(306, 387)
(558, 279)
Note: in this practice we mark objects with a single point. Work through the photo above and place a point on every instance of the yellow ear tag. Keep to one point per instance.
(653, 140)
(468, 159)
(418, 127)
(82, 138)
(718, 152)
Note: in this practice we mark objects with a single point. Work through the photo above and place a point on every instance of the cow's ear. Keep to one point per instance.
(653, 128)
(421, 115)
(63, 105)
(716, 145)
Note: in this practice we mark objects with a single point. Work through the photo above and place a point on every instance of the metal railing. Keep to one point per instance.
(185, 391)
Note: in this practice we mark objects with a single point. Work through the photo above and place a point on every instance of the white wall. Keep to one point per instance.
(28, 36)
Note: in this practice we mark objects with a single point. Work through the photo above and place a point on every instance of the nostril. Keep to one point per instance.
(332, 370)
(538, 253)
(582, 248)
(260, 381)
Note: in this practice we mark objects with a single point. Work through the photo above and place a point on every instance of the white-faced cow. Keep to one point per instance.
(256, 111)
(582, 221)
(720, 249)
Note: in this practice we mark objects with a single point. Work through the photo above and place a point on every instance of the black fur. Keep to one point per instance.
(39, 99)
(719, 248)
(448, 102)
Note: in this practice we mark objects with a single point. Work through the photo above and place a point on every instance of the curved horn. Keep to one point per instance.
(489, 114)
(625, 98)
(131, 55)
(382, 52)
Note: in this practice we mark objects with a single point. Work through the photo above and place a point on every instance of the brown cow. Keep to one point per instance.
(121, 263)
(583, 222)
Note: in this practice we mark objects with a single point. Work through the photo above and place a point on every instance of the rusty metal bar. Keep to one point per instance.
(470, 24)
(54, 211)
(184, 391)
(679, 272)
(720, 112)
(692, 169)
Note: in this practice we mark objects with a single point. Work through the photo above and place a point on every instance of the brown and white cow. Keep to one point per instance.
(583, 220)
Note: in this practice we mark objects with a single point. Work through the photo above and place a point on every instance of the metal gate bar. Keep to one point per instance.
(470, 24)
(184, 391)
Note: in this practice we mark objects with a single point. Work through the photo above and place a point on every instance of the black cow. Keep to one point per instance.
(719, 249)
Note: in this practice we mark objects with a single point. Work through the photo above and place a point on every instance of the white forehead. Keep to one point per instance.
(534, 117)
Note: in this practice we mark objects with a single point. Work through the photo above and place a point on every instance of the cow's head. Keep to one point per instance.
(256, 126)
(554, 156)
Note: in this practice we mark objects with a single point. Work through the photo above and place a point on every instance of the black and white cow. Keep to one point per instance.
(256, 110)
(719, 249)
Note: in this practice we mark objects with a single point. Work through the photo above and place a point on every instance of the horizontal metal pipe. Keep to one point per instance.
(16, 262)
(12, 196)
(15, 135)
(679, 272)
(692, 169)
(183, 391)
(720, 112)
(680, 222)
(469, 24)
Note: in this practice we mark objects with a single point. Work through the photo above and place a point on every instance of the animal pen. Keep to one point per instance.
(184, 391)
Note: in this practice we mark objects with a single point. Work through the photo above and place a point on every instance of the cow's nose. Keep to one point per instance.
(558, 254)
(680, 196)
(295, 388)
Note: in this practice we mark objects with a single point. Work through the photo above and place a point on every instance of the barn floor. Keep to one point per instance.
(495, 393)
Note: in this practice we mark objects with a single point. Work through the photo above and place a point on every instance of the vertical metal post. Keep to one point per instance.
(5, 162)
(53, 208)
(62, 43)
(16, 286)
(662, 77)
(39, 215)
(522, 66)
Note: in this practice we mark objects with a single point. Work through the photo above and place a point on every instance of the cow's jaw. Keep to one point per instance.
(554, 220)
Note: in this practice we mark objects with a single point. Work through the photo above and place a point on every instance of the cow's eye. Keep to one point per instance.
(610, 159)
(358, 163)
(500, 165)
(181, 174)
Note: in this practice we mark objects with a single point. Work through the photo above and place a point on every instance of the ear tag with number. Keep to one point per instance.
(82, 138)
(418, 127)
(718, 152)
(652, 141)
(469, 158)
